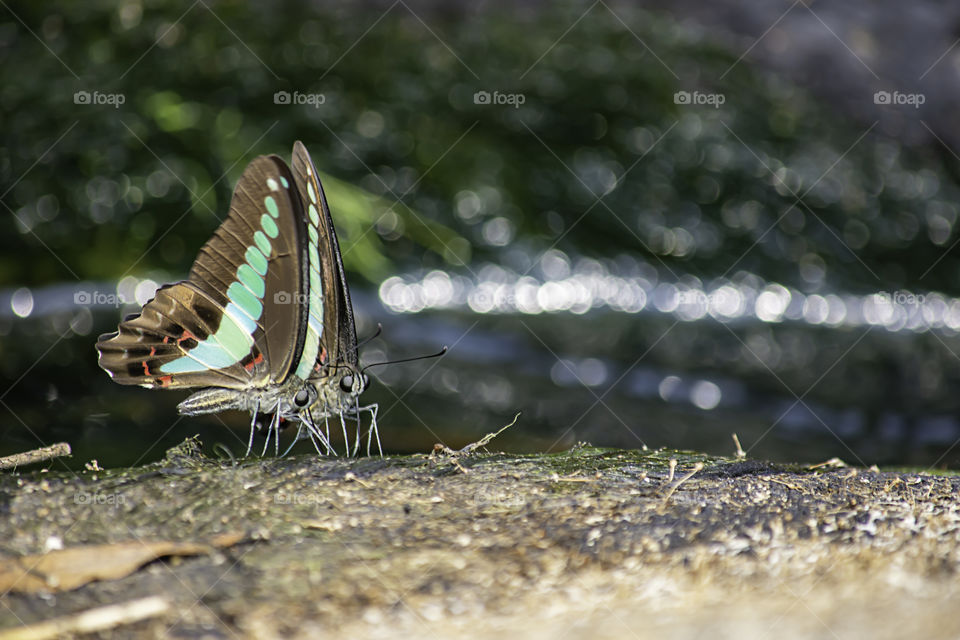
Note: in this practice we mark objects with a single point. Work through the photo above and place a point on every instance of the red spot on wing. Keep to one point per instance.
(146, 369)
(164, 381)
(250, 365)
(186, 335)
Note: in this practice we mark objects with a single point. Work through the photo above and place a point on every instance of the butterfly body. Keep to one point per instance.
(325, 397)
(264, 322)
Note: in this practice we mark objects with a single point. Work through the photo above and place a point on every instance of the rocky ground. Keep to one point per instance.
(586, 544)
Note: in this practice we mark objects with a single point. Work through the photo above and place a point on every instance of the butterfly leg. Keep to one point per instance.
(316, 434)
(374, 432)
(346, 438)
(273, 427)
(295, 439)
(356, 444)
(276, 433)
(253, 426)
(313, 440)
(326, 423)
(266, 442)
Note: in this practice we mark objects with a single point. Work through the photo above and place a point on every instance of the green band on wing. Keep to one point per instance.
(228, 346)
(256, 260)
(251, 280)
(262, 243)
(241, 296)
(271, 206)
(242, 317)
(310, 350)
(311, 347)
(269, 226)
(234, 339)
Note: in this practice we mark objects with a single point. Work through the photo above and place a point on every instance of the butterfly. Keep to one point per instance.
(263, 323)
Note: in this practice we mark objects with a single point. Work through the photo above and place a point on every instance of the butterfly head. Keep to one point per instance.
(334, 391)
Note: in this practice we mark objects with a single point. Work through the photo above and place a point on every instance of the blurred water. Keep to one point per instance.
(611, 352)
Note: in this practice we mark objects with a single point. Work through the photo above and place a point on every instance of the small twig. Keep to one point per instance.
(832, 463)
(482, 442)
(786, 484)
(673, 468)
(485, 440)
(574, 478)
(890, 485)
(739, 453)
(453, 454)
(37, 455)
(697, 468)
(350, 476)
(91, 620)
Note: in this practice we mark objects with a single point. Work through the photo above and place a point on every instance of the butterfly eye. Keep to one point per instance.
(302, 398)
(346, 383)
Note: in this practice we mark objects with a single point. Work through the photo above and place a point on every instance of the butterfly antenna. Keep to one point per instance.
(427, 357)
(370, 339)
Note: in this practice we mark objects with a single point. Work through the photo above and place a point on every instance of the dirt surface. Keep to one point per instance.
(586, 544)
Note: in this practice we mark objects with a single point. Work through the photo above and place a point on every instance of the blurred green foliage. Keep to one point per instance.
(449, 136)
(99, 191)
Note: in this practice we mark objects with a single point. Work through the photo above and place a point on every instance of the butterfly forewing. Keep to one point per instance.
(265, 221)
(236, 321)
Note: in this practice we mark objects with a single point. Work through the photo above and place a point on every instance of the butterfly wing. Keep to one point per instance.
(180, 339)
(338, 341)
(236, 321)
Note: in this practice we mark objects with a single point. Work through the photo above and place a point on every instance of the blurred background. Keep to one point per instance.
(653, 225)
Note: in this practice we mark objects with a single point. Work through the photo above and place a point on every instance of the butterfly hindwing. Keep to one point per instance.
(172, 328)
(236, 321)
